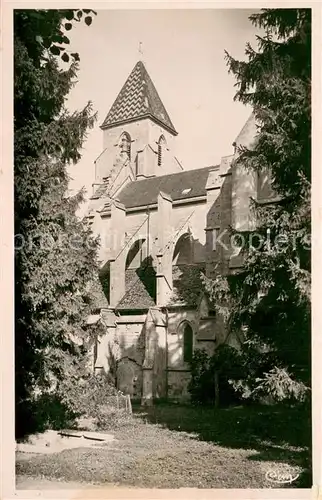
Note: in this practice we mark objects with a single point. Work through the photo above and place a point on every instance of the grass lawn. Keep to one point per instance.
(169, 446)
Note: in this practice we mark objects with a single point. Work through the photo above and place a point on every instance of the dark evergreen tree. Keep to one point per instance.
(55, 253)
(270, 297)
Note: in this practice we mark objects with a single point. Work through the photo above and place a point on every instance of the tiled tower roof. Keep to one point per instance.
(138, 99)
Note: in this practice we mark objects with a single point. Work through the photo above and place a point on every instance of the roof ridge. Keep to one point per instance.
(178, 173)
(188, 184)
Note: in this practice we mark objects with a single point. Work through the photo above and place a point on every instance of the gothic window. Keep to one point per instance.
(125, 144)
(187, 337)
(161, 145)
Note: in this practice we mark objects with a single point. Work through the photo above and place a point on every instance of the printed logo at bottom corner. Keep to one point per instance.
(281, 476)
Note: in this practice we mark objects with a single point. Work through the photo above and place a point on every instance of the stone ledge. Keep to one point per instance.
(56, 441)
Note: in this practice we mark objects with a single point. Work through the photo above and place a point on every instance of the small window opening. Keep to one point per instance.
(159, 155)
(161, 145)
(126, 145)
(187, 343)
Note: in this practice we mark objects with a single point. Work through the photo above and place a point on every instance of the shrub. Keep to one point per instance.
(109, 417)
(87, 395)
(82, 399)
(201, 385)
(249, 375)
(225, 364)
(45, 411)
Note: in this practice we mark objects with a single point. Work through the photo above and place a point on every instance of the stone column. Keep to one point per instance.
(147, 368)
(164, 256)
(117, 262)
(155, 363)
(160, 353)
(244, 189)
(213, 222)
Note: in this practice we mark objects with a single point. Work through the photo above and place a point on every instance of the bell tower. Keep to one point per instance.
(137, 131)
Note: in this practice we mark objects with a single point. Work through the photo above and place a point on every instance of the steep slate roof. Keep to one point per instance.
(138, 99)
(136, 295)
(145, 192)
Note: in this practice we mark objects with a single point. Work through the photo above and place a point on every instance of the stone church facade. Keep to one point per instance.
(159, 226)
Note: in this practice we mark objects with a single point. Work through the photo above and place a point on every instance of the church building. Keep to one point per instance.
(161, 228)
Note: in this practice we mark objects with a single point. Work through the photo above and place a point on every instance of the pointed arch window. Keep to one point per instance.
(125, 144)
(187, 343)
(161, 146)
(186, 333)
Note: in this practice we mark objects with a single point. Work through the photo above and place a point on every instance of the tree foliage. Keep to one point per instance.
(270, 297)
(230, 376)
(55, 253)
(212, 377)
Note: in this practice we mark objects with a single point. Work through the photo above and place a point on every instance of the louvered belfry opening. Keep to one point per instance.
(126, 144)
(161, 144)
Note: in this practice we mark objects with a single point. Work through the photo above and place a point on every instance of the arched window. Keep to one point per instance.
(186, 332)
(161, 145)
(187, 343)
(125, 144)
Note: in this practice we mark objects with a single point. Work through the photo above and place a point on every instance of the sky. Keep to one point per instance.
(184, 53)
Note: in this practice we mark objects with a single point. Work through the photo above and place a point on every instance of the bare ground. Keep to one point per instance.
(169, 447)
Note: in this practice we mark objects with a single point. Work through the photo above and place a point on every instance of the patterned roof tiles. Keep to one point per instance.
(138, 293)
(138, 99)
